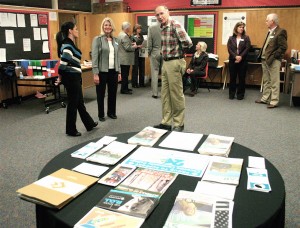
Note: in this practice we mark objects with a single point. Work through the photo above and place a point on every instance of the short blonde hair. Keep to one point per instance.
(203, 46)
(111, 23)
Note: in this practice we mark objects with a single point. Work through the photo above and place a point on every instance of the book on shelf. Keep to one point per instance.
(112, 153)
(137, 204)
(86, 150)
(258, 180)
(147, 137)
(218, 190)
(181, 140)
(90, 169)
(57, 189)
(217, 145)
(117, 175)
(98, 217)
(149, 180)
(191, 210)
(223, 170)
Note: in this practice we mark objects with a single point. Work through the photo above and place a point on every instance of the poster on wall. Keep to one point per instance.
(201, 26)
(205, 2)
(229, 21)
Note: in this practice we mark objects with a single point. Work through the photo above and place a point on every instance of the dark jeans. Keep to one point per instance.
(73, 82)
(193, 76)
(110, 79)
(138, 72)
(124, 73)
(237, 70)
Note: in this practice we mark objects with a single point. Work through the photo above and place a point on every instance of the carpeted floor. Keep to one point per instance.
(29, 138)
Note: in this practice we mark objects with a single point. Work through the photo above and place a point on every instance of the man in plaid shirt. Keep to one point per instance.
(174, 40)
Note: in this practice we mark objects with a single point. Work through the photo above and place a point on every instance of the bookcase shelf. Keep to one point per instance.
(283, 75)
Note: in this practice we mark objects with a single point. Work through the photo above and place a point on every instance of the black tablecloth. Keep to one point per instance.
(251, 208)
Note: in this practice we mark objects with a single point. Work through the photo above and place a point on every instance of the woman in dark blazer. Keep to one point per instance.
(106, 68)
(238, 46)
(138, 69)
(197, 65)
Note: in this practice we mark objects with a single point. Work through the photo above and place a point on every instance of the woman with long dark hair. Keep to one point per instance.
(238, 46)
(138, 69)
(70, 73)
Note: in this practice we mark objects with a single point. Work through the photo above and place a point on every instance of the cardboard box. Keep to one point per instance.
(97, 8)
(109, 7)
(119, 7)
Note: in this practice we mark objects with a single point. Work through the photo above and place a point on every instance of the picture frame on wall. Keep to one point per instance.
(205, 2)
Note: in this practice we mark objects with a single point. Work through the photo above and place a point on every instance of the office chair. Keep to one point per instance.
(202, 79)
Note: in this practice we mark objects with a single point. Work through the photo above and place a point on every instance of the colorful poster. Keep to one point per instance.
(201, 26)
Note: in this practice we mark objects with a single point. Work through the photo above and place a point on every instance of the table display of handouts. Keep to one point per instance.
(145, 175)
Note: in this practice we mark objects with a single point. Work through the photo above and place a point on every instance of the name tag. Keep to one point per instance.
(271, 37)
(242, 40)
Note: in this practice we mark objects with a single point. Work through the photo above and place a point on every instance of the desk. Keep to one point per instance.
(214, 72)
(295, 86)
(251, 209)
(48, 83)
(253, 75)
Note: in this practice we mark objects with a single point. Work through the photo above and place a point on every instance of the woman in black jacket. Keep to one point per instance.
(238, 46)
(138, 69)
(197, 65)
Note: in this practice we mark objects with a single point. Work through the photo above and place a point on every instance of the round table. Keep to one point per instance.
(251, 208)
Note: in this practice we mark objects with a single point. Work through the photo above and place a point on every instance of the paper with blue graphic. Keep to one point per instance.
(184, 163)
(258, 180)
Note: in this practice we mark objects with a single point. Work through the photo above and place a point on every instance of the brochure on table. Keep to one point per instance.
(258, 180)
(98, 217)
(185, 163)
(181, 141)
(224, 170)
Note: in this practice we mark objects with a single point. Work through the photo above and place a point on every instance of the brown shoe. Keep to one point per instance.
(258, 101)
(272, 106)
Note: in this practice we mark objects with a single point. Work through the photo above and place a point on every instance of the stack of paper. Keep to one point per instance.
(181, 140)
(224, 170)
(147, 137)
(86, 150)
(117, 175)
(216, 145)
(90, 169)
(56, 189)
(112, 153)
(258, 180)
(98, 217)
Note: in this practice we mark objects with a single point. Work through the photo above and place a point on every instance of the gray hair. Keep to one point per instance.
(274, 17)
(125, 25)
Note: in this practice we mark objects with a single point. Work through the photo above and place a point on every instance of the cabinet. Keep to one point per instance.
(283, 75)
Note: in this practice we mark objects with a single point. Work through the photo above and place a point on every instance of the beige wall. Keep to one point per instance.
(89, 27)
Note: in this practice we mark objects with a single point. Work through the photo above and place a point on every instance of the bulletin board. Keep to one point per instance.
(201, 26)
(24, 34)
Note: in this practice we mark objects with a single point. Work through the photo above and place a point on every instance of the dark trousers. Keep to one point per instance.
(138, 72)
(125, 74)
(196, 73)
(72, 82)
(110, 79)
(237, 70)
(193, 76)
